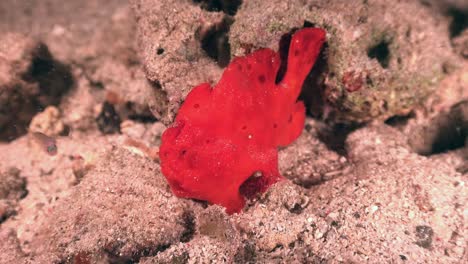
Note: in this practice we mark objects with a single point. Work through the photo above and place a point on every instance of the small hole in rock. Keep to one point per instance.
(381, 52)
(160, 51)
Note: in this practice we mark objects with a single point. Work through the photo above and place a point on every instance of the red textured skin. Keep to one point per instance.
(223, 135)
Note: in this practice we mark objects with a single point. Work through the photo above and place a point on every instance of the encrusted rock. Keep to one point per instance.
(12, 185)
(48, 122)
(170, 34)
(382, 58)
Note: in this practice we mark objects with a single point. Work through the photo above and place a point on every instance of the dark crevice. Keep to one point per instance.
(308, 24)
(452, 130)
(284, 43)
(312, 93)
(188, 219)
(447, 143)
(142, 118)
(41, 66)
(381, 52)
(114, 254)
(139, 115)
(215, 42)
(399, 120)
(108, 121)
(158, 104)
(151, 251)
(296, 209)
(334, 137)
(7, 212)
(115, 258)
(459, 22)
(246, 253)
(446, 132)
(229, 7)
(53, 79)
